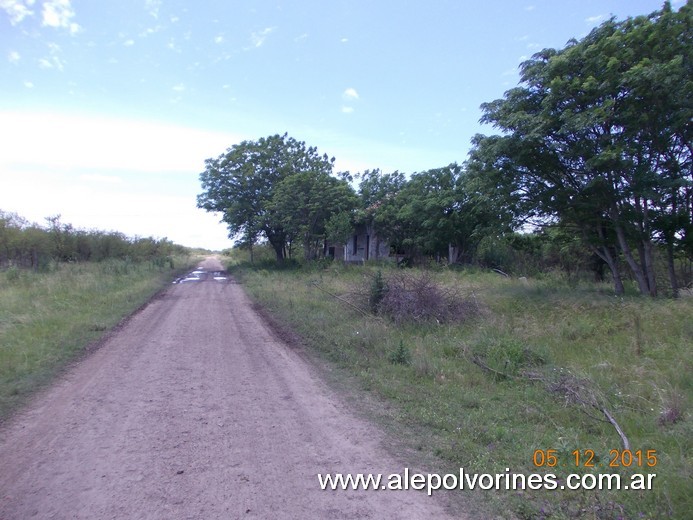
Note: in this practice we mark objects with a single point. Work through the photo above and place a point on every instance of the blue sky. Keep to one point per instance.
(108, 108)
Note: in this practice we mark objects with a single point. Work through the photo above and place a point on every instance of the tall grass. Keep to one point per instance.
(632, 355)
(48, 318)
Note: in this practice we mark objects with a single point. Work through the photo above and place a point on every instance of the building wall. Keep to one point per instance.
(365, 245)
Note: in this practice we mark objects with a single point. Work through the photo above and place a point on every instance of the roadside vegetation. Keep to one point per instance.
(502, 367)
(61, 289)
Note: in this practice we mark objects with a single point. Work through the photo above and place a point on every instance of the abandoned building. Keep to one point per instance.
(363, 245)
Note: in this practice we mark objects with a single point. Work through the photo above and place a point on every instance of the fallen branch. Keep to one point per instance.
(571, 392)
(356, 307)
(483, 366)
(624, 439)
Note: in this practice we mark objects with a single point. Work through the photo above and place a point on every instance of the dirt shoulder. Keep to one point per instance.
(194, 409)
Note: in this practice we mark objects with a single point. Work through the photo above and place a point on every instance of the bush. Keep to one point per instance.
(417, 298)
(495, 253)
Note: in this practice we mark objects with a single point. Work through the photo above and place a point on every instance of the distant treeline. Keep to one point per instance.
(29, 245)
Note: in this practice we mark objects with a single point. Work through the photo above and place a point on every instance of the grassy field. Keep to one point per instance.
(48, 318)
(529, 365)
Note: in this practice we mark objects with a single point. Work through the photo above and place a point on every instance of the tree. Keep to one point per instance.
(428, 209)
(377, 209)
(582, 144)
(241, 183)
(305, 202)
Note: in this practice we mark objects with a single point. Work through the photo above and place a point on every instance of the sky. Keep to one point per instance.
(109, 108)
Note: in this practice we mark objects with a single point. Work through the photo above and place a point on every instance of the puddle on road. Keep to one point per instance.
(200, 275)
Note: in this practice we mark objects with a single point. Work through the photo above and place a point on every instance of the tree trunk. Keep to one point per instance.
(672, 268)
(308, 249)
(632, 263)
(279, 250)
(648, 263)
(605, 254)
(277, 239)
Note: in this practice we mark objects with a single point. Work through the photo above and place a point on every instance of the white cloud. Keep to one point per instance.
(130, 206)
(596, 19)
(137, 177)
(350, 94)
(344, 40)
(219, 39)
(347, 110)
(153, 7)
(107, 179)
(129, 43)
(172, 45)
(258, 38)
(151, 30)
(17, 10)
(53, 61)
(28, 84)
(59, 14)
(180, 87)
(13, 57)
(530, 8)
(69, 141)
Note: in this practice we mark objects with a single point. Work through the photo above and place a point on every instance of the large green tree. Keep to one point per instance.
(598, 136)
(241, 184)
(377, 192)
(433, 213)
(427, 209)
(306, 202)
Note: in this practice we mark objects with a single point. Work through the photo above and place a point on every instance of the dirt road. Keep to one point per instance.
(194, 410)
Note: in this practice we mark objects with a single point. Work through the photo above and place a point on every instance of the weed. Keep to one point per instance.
(401, 356)
(377, 292)
(672, 409)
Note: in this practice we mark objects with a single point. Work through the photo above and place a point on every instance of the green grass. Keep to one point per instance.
(47, 319)
(630, 355)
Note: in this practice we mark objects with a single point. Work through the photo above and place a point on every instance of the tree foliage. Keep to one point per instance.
(254, 183)
(598, 136)
(433, 213)
(305, 202)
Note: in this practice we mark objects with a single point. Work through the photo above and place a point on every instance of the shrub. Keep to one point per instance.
(495, 253)
(408, 297)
